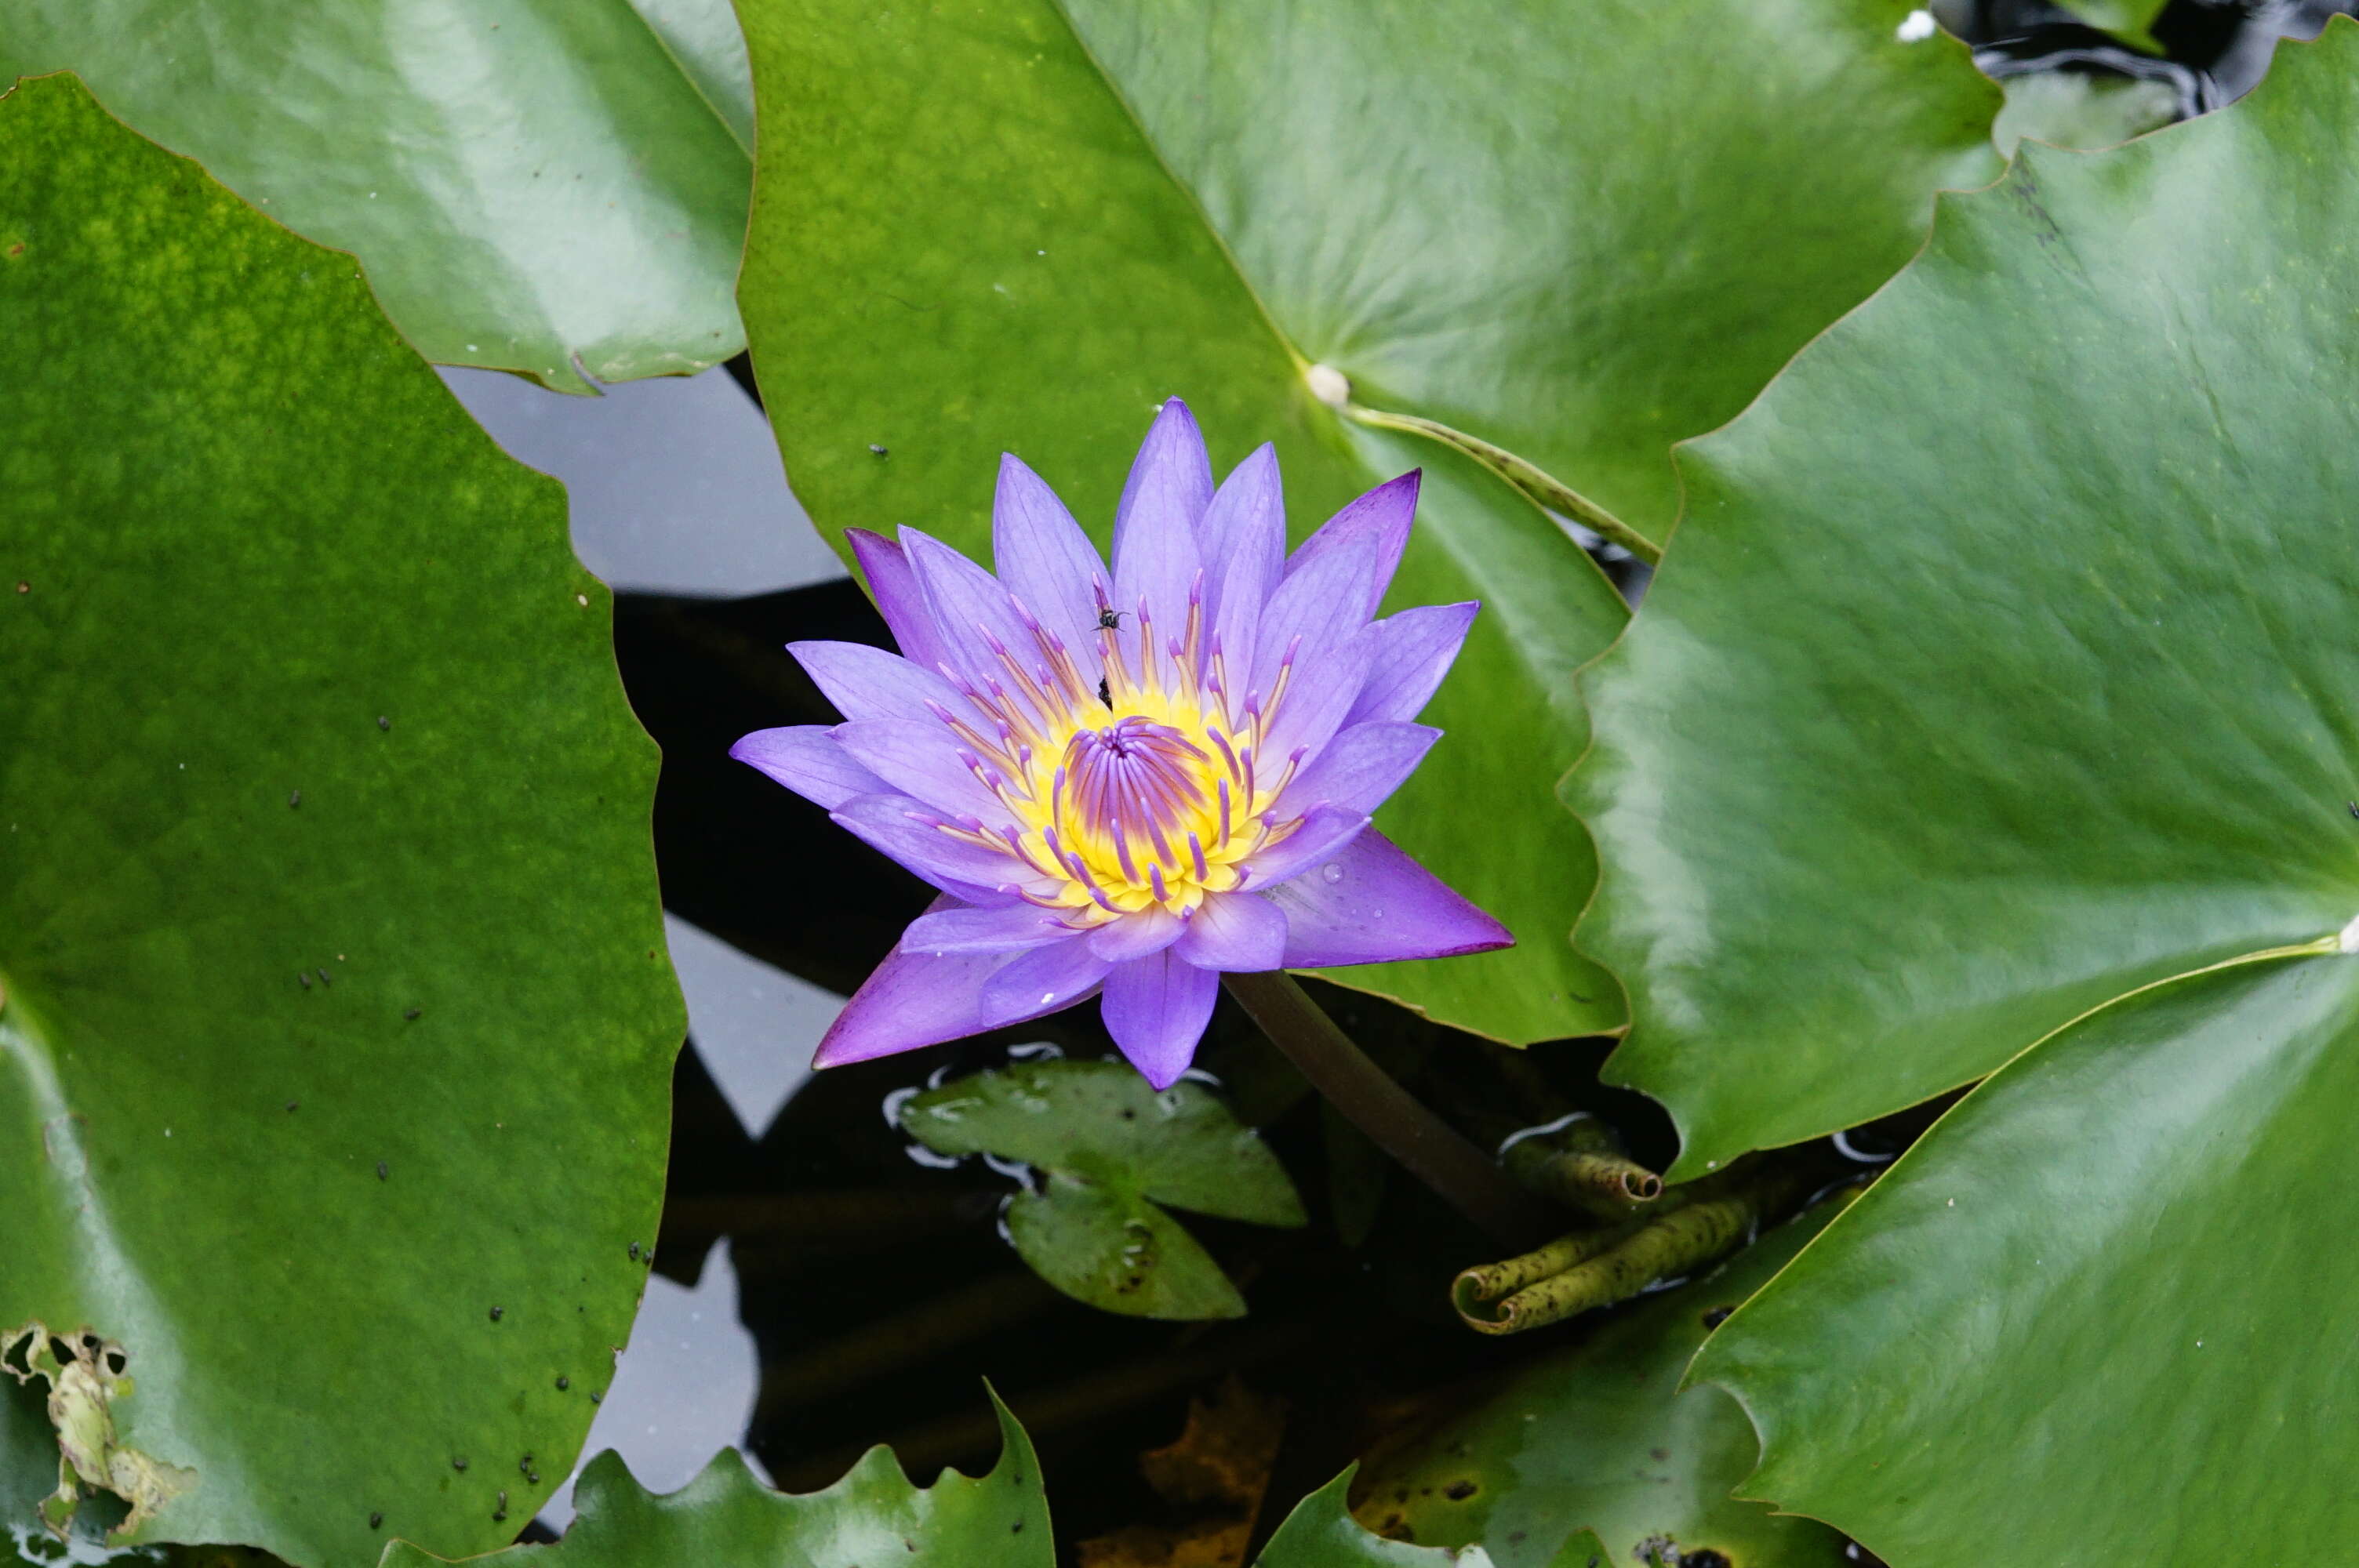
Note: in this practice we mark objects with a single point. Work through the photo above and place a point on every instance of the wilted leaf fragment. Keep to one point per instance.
(83, 1376)
(872, 1518)
(290, 1098)
(1107, 1149)
(1216, 1471)
(1602, 1436)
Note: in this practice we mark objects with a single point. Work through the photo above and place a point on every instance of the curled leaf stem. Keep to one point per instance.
(1428, 1147)
(1579, 1161)
(1534, 481)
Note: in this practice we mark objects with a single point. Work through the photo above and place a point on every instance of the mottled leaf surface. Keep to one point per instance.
(337, 1032)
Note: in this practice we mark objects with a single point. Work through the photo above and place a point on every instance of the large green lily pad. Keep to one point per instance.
(2005, 670)
(337, 1031)
(726, 1519)
(557, 187)
(1108, 1151)
(1001, 225)
(1601, 1438)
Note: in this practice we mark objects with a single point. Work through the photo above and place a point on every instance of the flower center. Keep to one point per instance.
(1137, 783)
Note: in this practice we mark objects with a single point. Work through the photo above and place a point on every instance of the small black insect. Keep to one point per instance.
(498, 1312)
(1105, 695)
(2354, 808)
(1111, 620)
(376, 1521)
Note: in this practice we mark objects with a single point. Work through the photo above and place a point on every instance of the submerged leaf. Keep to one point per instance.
(1110, 1149)
(335, 1029)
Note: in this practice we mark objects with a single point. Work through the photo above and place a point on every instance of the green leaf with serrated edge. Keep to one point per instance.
(997, 225)
(1322, 1533)
(337, 1030)
(872, 1518)
(1602, 1436)
(546, 186)
(1112, 1148)
(2003, 665)
(2105, 1299)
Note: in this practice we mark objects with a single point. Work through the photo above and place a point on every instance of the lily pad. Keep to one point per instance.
(1108, 1150)
(726, 1519)
(335, 1027)
(1603, 1437)
(552, 188)
(2132, 21)
(2002, 673)
(1581, 236)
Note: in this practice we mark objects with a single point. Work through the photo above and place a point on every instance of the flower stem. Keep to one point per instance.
(1534, 481)
(1431, 1150)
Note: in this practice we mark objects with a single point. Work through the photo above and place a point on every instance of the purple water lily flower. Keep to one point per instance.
(1132, 781)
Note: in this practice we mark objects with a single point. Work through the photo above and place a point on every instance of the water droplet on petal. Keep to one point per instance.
(1331, 872)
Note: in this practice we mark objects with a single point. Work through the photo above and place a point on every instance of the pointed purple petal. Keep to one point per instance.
(1380, 519)
(806, 759)
(919, 758)
(1170, 481)
(1325, 685)
(1156, 1009)
(898, 827)
(1011, 928)
(1043, 980)
(1244, 553)
(1045, 559)
(1379, 906)
(1316, 608)
(1414, 650)
(1238, 932)
(894, 587)
(1136, 936)
(1361, 767)
(972, 609)
(918, 999)
(869, 683)
(1322, 836)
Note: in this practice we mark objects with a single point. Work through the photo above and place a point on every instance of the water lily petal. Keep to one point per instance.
(1136, 936)
(1156, 558)
(971, 610)
(1156, 1009)
(961, 928)
(1362, 766)
(1414, 650)
(1321, 835)
(1238, 932)
(896, 826)
(1318, 607)
(1045, 559)
(1380, 519)
(1370, 903)
(1043, 980)
(894, 585)
(1243, 537)
(923, 999)
(806, 759)
(1325, 683)
(869, 683)
(921, 759)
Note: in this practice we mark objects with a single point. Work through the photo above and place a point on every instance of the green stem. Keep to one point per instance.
(1429, 1148)
(1534, 481)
